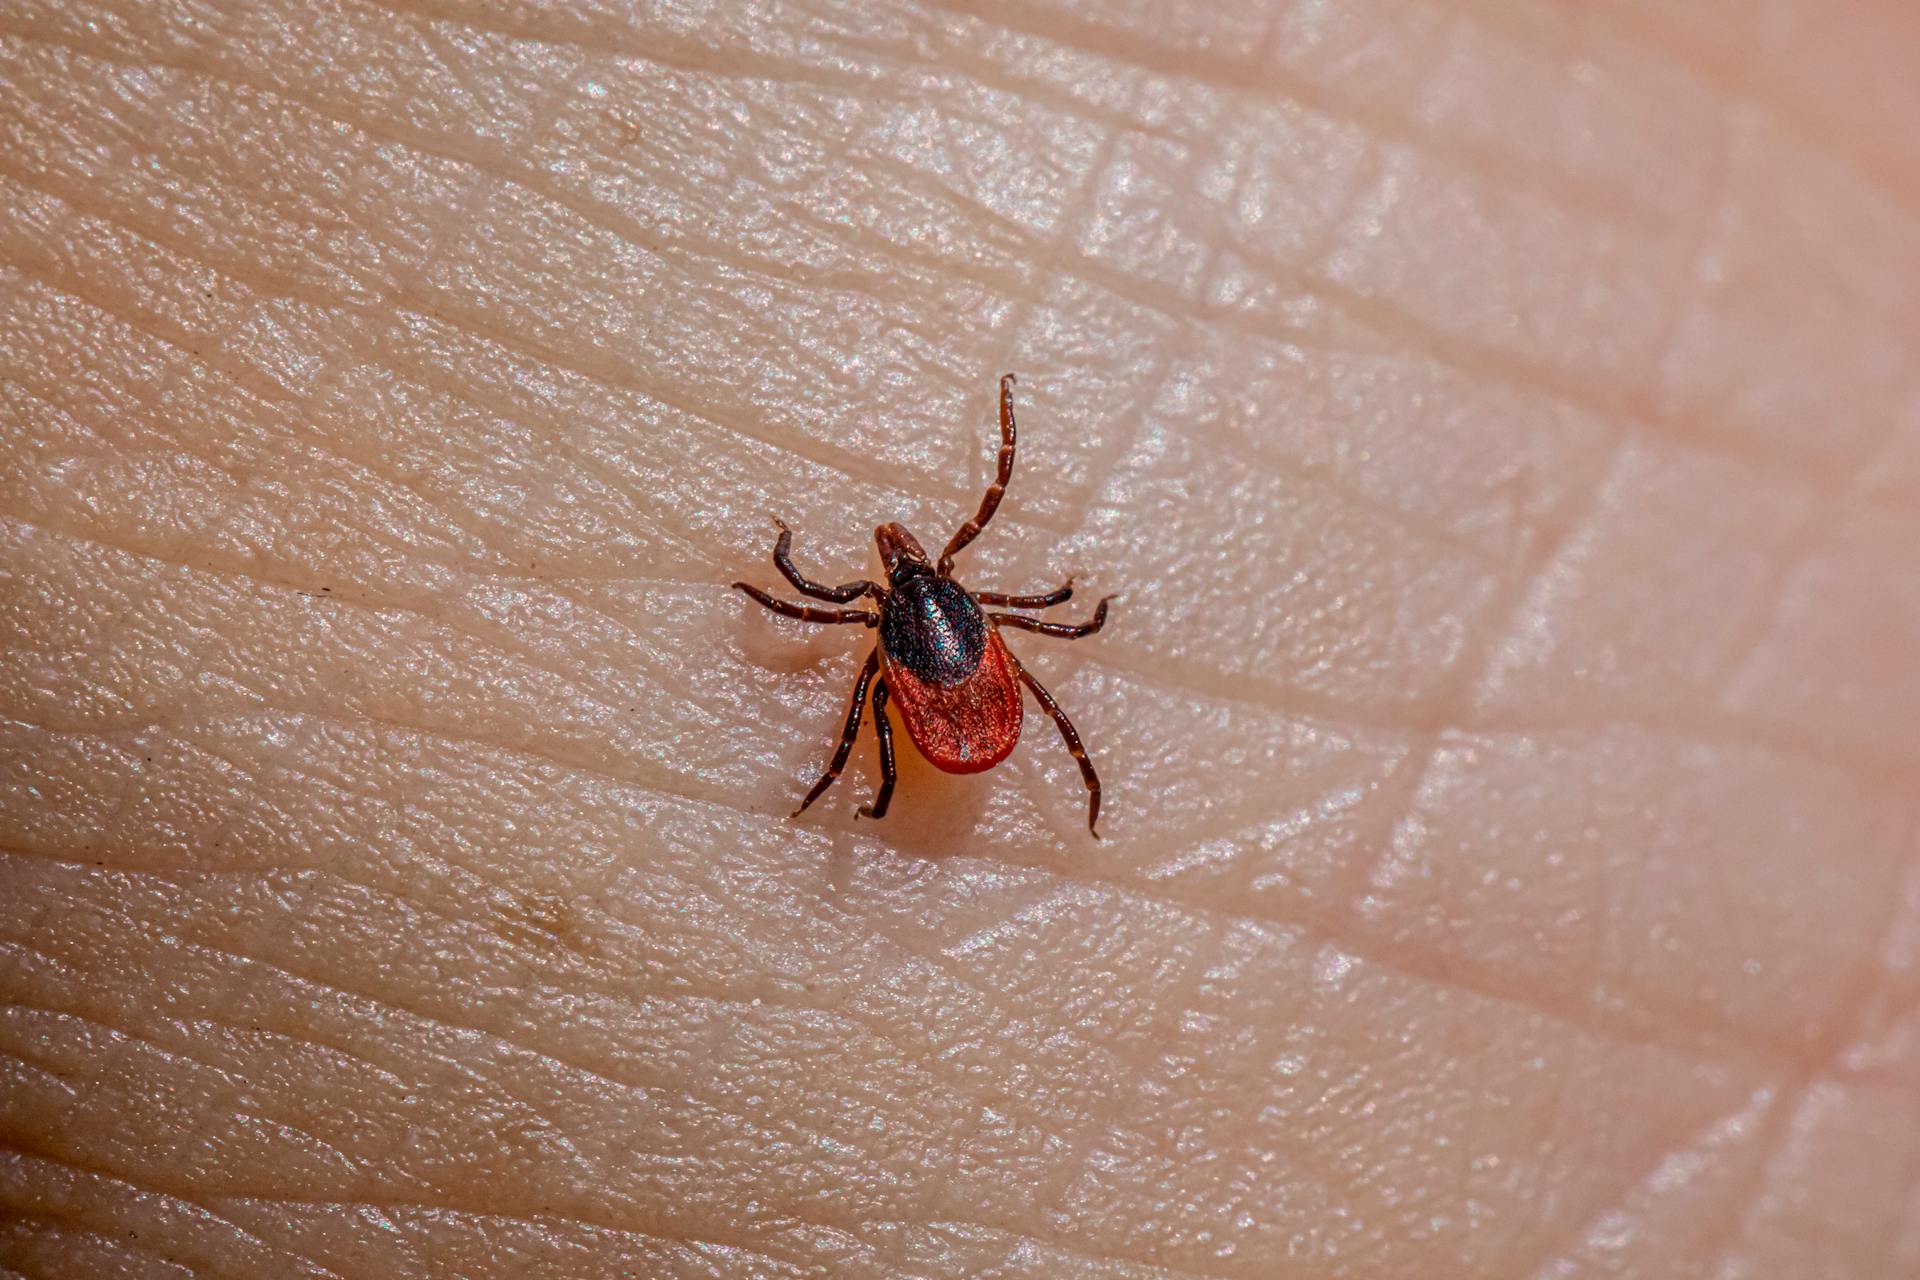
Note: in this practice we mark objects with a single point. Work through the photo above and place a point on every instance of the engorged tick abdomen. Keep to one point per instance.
(933, 628)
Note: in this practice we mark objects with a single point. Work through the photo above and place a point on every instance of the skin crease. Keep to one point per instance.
(1499, 421)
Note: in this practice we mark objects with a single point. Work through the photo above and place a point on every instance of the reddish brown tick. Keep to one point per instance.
(940, 655)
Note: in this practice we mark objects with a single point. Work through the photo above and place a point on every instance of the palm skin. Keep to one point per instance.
(1500, 420)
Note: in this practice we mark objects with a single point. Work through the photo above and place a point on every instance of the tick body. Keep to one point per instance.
(940, 656)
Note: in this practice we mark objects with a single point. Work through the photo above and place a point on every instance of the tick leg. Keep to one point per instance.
(1059, 595)
(1063, 630)
(851, 732)
(1072, 739)
(991, 503)
(806, 612)
(783, 561)
(884, 796)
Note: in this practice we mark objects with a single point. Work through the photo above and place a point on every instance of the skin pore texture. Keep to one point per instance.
(1499, 422)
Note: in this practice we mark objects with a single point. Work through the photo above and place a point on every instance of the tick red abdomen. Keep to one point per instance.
(965, 727)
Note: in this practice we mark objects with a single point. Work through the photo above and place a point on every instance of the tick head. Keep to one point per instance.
(901, 553)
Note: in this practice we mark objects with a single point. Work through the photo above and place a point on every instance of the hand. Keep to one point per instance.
(1501, 425)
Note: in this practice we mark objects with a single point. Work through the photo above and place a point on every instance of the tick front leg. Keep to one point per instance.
(1062, 630)
(851, 732)
(783, 561)
(884, 796)
(806, 612)
(1002, 474)
(1058, 596)
(1072, 739)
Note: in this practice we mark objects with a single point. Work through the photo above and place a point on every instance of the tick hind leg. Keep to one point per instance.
(1059, 630)
(783, 561)
(1002, 474)
(851, 732)
(1072, 739)
(884, 730)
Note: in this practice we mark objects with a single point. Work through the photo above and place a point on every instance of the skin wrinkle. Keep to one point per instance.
(1291, 702)
(119, 1174)
(658, 782)
(1208, 274)
(1739, 85)
(436, 1021)
(1173, 352)
(609, 218)
(263, 284)
(687, 1239)
(1354, 937)
(473, 530)
(1489, 363)
(351, 596)
(1523, 591)
(1723, 205)
(1050, 1256)
(298, 980)
(1602, 1030)
(1236, 825)
(1075, 1168)
(1366, 307)
(1192, 949)
(392, 724)
(1073, 227)
(1257, 76)
(1254, 692)
(1781, 1096)
(1803, 547)
(878, 1029)
(847, 464)
(114, 1175)
(774, 997)
(1541, 1269)
(1229, 920)
(850, 464)
(1776, 1128)
(770, 999)
(307, 1265)
(182, 347)
(116, 1247)
(1747, 114)
(1072, 223)
(1089, 1255)
(1746, 84)
(67, 1016)
(1452, 699)
(1860, 1022)
(1456, 697)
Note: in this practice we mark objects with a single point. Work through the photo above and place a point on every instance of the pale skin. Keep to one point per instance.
(1499, 424)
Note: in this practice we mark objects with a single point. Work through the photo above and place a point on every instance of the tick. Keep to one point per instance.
(939, 656)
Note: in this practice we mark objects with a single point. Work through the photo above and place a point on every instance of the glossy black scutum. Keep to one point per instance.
(933, 628)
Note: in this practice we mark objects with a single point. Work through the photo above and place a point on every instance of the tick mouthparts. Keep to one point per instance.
(898, 548)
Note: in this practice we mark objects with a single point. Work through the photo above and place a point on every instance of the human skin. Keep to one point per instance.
(1500, 426)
